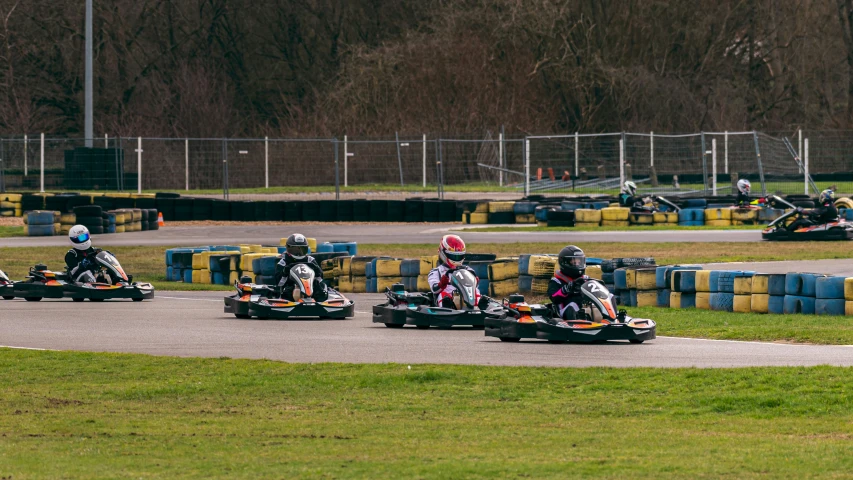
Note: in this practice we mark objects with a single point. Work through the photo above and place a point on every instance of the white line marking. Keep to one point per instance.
(23, 348)
(753, 341)
(193, 299)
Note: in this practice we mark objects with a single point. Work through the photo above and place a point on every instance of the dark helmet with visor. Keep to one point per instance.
(296, 246)
(572, 261)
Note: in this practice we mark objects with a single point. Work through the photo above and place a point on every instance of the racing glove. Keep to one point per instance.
(87, 264)
(443, 282)
(567, 288)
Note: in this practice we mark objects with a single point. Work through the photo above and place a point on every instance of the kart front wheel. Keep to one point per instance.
(509, 339)
(636, 340)
(137, 299)
(78, 299)
(8, 297)
(394, 325)
(96, 299)
(242, 317)
(423, 327)
(32, 299)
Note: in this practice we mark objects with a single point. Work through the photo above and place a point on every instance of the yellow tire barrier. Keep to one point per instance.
(745, 214)
(647, 298)
(844, 202)
(742, 303)
(388, 267)
(385, 282)
(198, 276)
(427, 264)
(68, 218)
(539, 286)
(482, 207)
(703, 280)
(718, 223)
(583, 215)
(848, 307)
(615, 223)
(12, 205)
(345, 284)
(120, 228)
(743, 286)
(718, 214)
(594, 271)
(526, 218)
(541, 224)
(542, 266)
(586, 224)
(641, 219)
(346, 266)
(646, 279)
(703, 300)
(760, 283)
(478, 218)
(503, 269)
(615, 213)
(759, 303)
(674, 299)
(666, 217)
(57, 228)
(631, 278)
(498, 207)
(359, 284)
(201, 260)
(848, 288)
(503, 288)
(10, 197)
(423, 283)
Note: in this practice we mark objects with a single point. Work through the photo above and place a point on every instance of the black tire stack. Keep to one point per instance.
(91, 217)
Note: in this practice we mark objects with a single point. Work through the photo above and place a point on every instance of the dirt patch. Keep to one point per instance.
(11, 221)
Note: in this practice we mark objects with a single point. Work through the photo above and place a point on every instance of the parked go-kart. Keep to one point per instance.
(5, 287)
(111, 282)
(650, 207)
(404, 308)
(254, 300)
(779, 229)
(599, 321)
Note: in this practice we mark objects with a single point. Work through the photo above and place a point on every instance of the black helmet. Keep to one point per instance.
(572, 261)
(297, 247)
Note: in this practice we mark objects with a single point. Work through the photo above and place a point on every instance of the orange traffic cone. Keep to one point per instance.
(160, 222)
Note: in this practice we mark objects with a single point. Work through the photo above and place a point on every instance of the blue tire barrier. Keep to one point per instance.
(767, 215)
(714, 280)
(594, 261)
(801, 284)
(632, 295)
(525, 283)
(695, 223)
(688, 216)
(371, 285)
(410, 267)
(267, 265)
(608, 278)
(829, 306)
(669, 272)
(481, 269)
(684, 281)
(408, 285)
(718, 205)
(39, 217)
(256, 266)
(698, 203)
(370, 269)
(188, 275)
(483, 286)
(219, 278)
(350, 248)
(571, 206)
(660, 277)
(776, 284)
(830, 288)
(325, 247)
(169, 273)
(524, 208)
(663, 297)
(620, 279)
(776, 304)
(111, 228)
(523, 264)
(541, 213)
(688, 300)
(724, 280)
(798, 304)
(40, 230)
(722, 301)
(597, 205)
(849, 214)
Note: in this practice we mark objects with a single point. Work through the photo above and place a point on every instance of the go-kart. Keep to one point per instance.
(109, 281)
(6, 292)
(780, 230)
(254, 300)
(405, 308)
(598, 321)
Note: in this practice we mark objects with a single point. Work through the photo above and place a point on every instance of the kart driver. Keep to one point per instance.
(80, 260)
(564, 287)
(742, 200)
(297, 253)
(451, 255)
(823, 214)
(629, 199)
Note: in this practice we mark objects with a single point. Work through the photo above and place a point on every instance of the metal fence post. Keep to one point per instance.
(526, 167)
(760, 166)
(106, 140)
(337, 171)
(399, 157)
(25, 155)
(800, 143)
(805, 165)
(346, 155)
(622, 160)
(577, 154)
(438, 170)
(138, 164)
(225, 168)
(704, 164)
(652, 151)
(266, 162)
(187, 164)
(424, 159)
(41, 168)
(500, 158)
(726, 151)
(714, 167)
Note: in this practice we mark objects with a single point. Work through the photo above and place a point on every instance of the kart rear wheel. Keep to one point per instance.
(242, 317)
(557, 342)
(137, 299)
(510, 339)
(78, 299)
(32, 299)
(636, 340)
(394, 325)
(8, 297)
(96, 299)
(422, 327)
(478, 327)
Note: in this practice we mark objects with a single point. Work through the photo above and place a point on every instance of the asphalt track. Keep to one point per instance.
(378, 233)
(193, 324)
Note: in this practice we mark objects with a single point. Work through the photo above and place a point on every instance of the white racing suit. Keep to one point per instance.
(444, 293)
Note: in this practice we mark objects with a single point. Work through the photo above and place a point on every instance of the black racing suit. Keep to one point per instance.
(818, 216)
(81, 265)
(567, 301)
(282, 277)
(636, 204)
(742, 199)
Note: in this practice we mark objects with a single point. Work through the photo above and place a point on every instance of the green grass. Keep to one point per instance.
(6, 231)
(695, 323)
(632, 228)
(81, 415)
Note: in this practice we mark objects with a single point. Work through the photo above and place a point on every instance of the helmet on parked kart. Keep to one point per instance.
(296, 247)
(743, 186)
(630, 188)
(572, 261)
(451, 251)
(826, 196)
(80, 238)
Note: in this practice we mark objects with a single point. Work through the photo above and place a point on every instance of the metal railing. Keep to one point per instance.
(704, 163)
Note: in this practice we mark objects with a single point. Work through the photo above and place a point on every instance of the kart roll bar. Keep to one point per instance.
(774, 200)
(668, 203)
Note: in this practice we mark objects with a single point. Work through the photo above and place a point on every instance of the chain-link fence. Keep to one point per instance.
(491, 165)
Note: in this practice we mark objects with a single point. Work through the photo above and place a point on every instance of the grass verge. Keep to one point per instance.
(83, 415)
(8, 231)
(632, 228)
